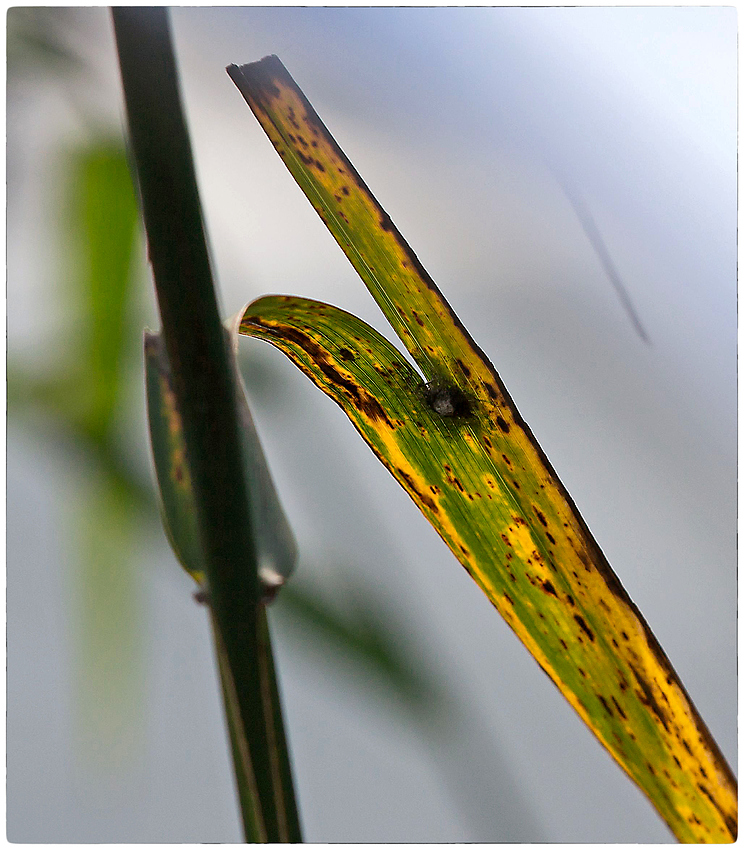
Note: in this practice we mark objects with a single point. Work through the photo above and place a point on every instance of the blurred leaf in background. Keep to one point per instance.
(81, 396)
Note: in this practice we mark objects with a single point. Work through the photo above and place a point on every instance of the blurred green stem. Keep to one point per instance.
(205, 393)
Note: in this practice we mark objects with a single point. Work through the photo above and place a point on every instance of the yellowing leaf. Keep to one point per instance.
(462, 451)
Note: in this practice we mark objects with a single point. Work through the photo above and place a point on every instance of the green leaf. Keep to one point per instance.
(459, 447)
(108, 218)
(199, 393)
(276, 550)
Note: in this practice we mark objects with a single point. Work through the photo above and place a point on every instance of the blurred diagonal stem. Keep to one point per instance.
(205, 393)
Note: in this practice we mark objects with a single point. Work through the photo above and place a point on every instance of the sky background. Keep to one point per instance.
(475, 128)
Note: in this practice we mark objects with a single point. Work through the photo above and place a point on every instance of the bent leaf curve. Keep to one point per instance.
(509, 526)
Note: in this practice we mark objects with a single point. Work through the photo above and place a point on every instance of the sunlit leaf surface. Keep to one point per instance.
(458, 445)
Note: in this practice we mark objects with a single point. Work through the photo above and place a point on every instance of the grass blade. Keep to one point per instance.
(471, 464)
(500, 521)
(205, 394)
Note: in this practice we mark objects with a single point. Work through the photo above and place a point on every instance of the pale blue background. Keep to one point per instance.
(459, 120)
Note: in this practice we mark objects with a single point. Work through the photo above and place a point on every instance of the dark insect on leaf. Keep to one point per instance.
(446, 400)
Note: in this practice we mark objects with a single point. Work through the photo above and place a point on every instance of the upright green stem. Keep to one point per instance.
(205, 393)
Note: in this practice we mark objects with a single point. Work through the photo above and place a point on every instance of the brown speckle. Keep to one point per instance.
(619, 709)
(548, 588)
(583, 626)
(463, 368)
(604, 704)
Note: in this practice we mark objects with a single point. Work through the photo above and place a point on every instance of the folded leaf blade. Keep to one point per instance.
(513, 530)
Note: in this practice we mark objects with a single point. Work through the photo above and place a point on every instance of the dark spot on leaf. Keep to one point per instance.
(541, 516)
(583, 626)
(291, 115)
(619, 709)
(425, 498)
(362, 400)
(550, 537)
(508, 598)
(570, 599)
(646, 696)
(463, 368)
(548, 588)
(604, 704)
(506, 460)
(491, 390)
(345, 190)
(345, 354)
(502, 423)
